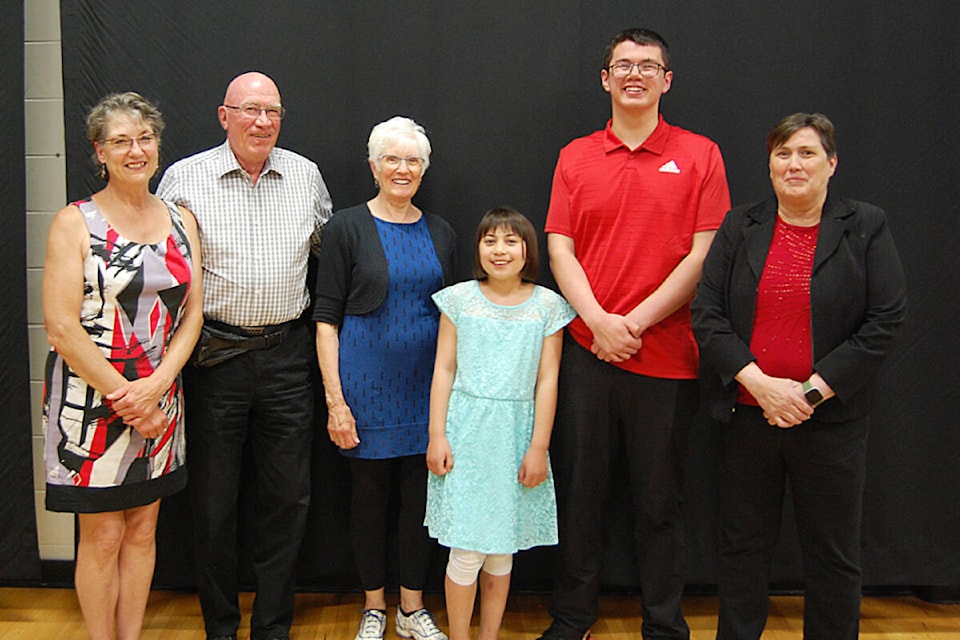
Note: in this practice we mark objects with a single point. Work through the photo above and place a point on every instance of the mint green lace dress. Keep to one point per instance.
(480, 505)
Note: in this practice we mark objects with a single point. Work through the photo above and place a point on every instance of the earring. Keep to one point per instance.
(102, 171)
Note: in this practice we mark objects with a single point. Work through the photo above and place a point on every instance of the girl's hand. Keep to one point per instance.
(439, 456)
(342, 426)
(533, 469)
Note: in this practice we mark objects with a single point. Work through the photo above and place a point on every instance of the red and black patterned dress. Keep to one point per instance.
(134, 297)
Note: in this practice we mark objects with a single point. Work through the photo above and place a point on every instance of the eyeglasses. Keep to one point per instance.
(251, 110)
(392, 162)
(146, 141)
(646, 69)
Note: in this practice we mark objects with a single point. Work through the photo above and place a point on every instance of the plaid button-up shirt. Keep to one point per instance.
(255, 238)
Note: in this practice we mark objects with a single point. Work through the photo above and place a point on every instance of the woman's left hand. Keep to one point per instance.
(150, 425)
(137, 398)
(533, 469)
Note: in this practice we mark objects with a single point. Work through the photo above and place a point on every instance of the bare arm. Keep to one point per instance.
(341, 425)
(533, 468)
(616, 337)
(678, 287)
(68, 244)
(439, 455)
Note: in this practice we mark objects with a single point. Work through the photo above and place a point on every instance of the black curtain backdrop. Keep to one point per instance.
(19, 559)
(500, 87)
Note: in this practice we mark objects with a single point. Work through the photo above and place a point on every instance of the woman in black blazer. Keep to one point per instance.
(801, 299)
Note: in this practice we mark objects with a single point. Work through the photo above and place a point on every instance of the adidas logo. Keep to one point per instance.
(669, 167)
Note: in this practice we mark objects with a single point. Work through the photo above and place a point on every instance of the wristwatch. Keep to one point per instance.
(812, 394)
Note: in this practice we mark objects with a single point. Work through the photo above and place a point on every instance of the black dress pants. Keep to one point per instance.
(602, 409)
(825, 464)
(265, 396)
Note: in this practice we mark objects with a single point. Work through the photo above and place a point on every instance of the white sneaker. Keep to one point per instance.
(419, 625)
(373, 625)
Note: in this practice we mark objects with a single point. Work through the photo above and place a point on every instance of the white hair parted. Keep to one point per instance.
(393, 130)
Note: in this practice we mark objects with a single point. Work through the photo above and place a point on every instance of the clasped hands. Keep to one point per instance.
(782, 401)
(616, 338)
(137, 402)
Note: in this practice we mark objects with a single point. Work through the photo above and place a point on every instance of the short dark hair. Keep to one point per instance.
(130, 103)
(820, 123)
(641, 37)
(512, 220)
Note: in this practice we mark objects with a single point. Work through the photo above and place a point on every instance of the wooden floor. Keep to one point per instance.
(53, 614)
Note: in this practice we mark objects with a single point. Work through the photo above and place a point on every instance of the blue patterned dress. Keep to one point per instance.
(480, 505)
(386, 356)
(133, 301)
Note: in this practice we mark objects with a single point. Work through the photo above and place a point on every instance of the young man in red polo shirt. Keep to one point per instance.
(633, 210)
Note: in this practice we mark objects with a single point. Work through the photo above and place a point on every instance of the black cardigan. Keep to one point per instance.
(352, 267)
(857, 302)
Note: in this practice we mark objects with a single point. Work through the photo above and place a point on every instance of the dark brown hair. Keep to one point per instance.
(512, 220)
(820, 123)
(641, 37)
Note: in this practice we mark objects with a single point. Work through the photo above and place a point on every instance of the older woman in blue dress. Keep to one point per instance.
(376, 341)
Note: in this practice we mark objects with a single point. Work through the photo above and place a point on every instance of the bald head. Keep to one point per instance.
(252, 81)
(251, 137)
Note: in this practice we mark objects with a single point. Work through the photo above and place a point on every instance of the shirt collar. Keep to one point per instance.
(655, 142)
(227, 162)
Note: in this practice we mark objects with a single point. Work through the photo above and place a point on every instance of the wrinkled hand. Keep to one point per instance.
(136, 399)
(151, 425)
(439, 456)
(533, 469)
(615, 338)
(342, 426)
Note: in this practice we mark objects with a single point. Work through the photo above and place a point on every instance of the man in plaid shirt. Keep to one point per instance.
(260, 211)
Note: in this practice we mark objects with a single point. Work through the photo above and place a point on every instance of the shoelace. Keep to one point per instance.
(426, 621)
(371, 624)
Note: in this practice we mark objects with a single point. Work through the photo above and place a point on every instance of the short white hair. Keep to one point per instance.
(394, 130)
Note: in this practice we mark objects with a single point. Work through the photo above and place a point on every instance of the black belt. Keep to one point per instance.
(220, 341)
(277, 332)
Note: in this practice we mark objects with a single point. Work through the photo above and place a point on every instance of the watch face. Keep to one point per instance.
(813, 396)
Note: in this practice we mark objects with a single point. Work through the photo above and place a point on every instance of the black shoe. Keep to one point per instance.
(231, 636)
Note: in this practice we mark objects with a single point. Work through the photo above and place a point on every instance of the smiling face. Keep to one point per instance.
(398, 183)
(251, 138)
(503, 254)
(634, 92)
(800, 169)
(129, 149)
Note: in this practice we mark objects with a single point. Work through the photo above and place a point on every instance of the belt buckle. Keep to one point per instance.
(253, 331)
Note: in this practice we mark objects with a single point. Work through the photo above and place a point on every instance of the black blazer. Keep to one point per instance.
(857, 300)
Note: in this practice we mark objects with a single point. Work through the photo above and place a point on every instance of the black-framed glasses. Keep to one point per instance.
(647, 68)
(393, 162)
(253, 110)
(146, 141)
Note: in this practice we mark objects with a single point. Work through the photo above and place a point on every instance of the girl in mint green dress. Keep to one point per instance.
(492, 402)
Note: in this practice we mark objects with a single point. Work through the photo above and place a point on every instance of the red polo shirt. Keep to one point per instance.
(632, 216)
